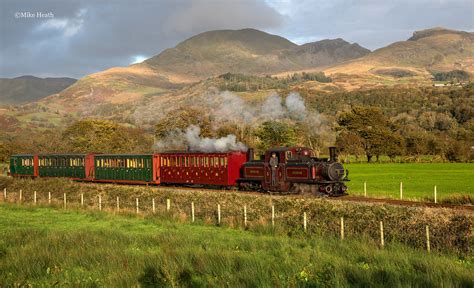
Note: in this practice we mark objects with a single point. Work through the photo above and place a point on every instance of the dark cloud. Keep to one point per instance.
(89, 36)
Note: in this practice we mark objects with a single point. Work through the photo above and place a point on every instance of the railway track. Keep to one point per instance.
(347, 198)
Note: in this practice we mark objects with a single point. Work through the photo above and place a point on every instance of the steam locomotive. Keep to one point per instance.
(281, 170)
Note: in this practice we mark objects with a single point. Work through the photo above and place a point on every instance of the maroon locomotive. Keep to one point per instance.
(295, 170)
(284, 170)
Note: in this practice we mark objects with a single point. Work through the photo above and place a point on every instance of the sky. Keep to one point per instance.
(73, 38)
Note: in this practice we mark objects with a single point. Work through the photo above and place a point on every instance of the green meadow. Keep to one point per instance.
(46, 247)
(419, 179)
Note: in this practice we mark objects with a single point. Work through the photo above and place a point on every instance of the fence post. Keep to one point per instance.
(365, 189)
(21, 192)
(273, 215)
(82, 199)
(153, 205)
(34, 197)
(118, 204)
(435, 196)
(168, 205)
(304, 221)
(49, 198)
(382, 242)
(5, 194)
(100, 202)
(219, 214)
(428, 248)
(192, 212)
(137, 205)
(401, 190)
(342, 228)
(245, 215)
(65, 201)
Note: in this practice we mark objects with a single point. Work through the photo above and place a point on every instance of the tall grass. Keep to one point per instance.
(450, 230)
(45, 247)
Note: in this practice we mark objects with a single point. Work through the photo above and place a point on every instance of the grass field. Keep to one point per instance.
(383, 180)
(46, 247)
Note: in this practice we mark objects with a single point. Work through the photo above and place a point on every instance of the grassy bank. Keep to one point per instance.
(451, 230)
(419, 179)
(42, 246)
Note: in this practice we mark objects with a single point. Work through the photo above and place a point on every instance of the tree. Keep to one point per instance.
(350, 143)
(372, 126)
(104, 136)
(274, 134)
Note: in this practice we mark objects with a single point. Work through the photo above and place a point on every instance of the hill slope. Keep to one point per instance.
(430, 50)
(26, 89)
(208, 54)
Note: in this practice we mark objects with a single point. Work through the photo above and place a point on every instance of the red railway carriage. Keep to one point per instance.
(196, 168)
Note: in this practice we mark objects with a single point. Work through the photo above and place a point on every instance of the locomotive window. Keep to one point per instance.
(289, 155)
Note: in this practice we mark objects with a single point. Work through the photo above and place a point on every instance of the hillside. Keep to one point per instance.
(27, 89)
(205, 55)
(427, 51)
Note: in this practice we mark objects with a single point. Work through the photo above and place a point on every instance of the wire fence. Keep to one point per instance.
(305, 223)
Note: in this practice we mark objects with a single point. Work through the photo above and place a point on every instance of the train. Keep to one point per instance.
(279, 169)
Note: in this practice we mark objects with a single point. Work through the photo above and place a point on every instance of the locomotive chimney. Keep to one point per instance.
(332, 153)
(250, 154)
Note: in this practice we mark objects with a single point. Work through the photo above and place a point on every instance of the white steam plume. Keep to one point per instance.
(191, 139)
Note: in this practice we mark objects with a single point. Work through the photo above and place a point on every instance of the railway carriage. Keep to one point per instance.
(196, 168)
(128, 168)
(25, 165)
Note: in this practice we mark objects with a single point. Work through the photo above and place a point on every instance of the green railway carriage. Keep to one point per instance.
(23, 165)
(62, 165)
(125, 168)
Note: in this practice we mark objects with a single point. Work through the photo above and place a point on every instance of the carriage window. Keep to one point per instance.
(225, 162)
(211, 161)
(216, 161)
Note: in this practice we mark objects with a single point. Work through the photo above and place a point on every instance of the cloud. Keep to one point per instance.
(89, 36)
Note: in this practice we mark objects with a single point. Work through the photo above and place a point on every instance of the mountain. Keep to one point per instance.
(427, 51)
(209, 54)
(250, 51)
(27, 89)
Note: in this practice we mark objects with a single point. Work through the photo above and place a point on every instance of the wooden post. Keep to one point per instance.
(118, 204)
(34, 197)
(21, 195)
(137, 205)
(245, 215)
(49, 198)
(382, 242)
(428, 248)
(192, 212)
(401, 190)
(65, 201)
(82, 199)
(273, 216)
(342, 228)
(153, 205)
(219, 214)
(304, 221)
(100, 202)
(365, 189)
(168, 205)
(435, 195)
(4, 194)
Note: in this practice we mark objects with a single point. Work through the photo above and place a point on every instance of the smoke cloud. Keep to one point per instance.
(191, 139)
(227, 106)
